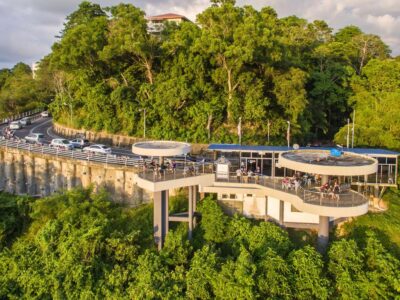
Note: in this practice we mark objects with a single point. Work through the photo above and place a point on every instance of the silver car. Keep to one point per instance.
(98, 148)
(80, 143)
(61, 143)
(37, 138)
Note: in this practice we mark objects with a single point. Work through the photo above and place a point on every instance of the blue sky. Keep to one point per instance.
(28, 27)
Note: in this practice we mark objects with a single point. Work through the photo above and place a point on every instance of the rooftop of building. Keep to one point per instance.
(165, 17)
(257, 148)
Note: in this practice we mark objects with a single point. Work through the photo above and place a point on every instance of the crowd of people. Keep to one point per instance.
(160, 169)
(332, 189)
(8, 133)
(245, 175)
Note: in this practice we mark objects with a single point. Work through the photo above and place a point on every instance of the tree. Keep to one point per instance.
(307, 279)
(202, 272)
(360, 47)
(236, 278)
(214, 221)
(273, 276)
(375, 99)
(346, 263)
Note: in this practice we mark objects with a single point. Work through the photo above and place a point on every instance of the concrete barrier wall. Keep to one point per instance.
(24, 172)
(108, 138)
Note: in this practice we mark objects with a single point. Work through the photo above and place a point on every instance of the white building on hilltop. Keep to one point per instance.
(155, 24)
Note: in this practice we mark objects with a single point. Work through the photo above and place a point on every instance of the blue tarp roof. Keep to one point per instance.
(236, 147)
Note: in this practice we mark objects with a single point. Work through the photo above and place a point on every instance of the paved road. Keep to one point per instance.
(44, 125)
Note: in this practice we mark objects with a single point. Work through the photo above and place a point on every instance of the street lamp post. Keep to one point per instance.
(268, 130)
(288, 134)
(144, 122)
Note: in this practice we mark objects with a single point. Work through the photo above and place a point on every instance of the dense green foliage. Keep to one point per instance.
(385, 224)
(196, 80)
(20, 92)
(80, 245)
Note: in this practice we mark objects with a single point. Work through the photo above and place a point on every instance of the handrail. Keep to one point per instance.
(350, 199)
(21, 115)
(111, 159)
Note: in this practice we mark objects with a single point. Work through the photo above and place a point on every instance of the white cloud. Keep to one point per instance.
(28, 27)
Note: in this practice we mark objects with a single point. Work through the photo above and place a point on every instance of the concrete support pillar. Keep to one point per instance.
(30, 175)
(58, 180)
(192, 199)
(376, 191)
(195, 198)
(71, 174)
(20, 184)
(45, 179)
(324, 179)
(120, 185)
(86, 176)
(323, 233)
(281, 212)
(161, 216)
(9, 173)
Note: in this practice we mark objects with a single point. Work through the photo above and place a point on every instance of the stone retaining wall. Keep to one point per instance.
(37, 174)
(108, 138)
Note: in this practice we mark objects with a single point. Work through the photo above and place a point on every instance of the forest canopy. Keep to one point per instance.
(195, 80)
(81, 245)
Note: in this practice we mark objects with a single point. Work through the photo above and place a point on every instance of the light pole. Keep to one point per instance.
(288, 134)
(240, 130)
(352, 130)
(144, 122)
(348, 134)
(268, 130)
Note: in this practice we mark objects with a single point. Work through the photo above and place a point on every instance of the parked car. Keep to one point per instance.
(45, 114)
(15, 125)
(37, 138)
(80, 143)
(25, 121)
(61, 143)
(98, 148)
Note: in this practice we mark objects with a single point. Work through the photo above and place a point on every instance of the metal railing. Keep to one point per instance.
(21, 115)
(182, 170)
(349, 198)
(185, 169)
(72, 154)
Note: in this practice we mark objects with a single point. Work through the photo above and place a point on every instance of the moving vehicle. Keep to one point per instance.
(98, 148)
(45, 114)
(15, 125)
(25, 121)
(61, 143)
(80, 143)
(37, 138)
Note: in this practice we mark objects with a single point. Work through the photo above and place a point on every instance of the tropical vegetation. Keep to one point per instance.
(81, 245)
(195, 81)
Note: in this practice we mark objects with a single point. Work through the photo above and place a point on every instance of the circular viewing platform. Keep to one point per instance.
(161, 148)
(324, 163)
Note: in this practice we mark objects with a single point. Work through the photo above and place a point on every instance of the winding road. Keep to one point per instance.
(44, 125)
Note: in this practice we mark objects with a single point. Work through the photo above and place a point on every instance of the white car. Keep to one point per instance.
(98, 148)
(61, 143)
(25, 121)
(80, 143)
(15, 125)
(45, 114)
(37, 138)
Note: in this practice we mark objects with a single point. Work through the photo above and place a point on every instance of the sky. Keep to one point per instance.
(28, 27)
